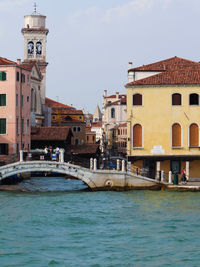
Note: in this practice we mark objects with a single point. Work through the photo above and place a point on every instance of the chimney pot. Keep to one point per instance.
(130, 64)
(18, 61)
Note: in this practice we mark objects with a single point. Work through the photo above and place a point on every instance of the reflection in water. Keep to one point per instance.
(52, 184)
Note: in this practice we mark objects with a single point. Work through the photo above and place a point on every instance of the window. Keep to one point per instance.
(22, 126)
(27, 79)
(137, 100)
(17, 148)
(2, 76)
(38, 48)
(78, 129)
(137, 135)
(22, 100)
(76, 141)
(93, 138)
(2, 99)
(80, 117)
(27, 124)
(112, 113)
(17, 76)
(17, 125)
(176, 135)
(87, 138)
(74, 129)
(3, 149)
(22, 78)
(16, 100)
(30, 48)
(176, 99)
(27, 98)
(194, 135)
(53, 117)
(118, 132)
(2, 126)
(194, 99)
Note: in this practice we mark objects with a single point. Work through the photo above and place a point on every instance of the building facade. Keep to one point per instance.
(114, 113)
(163, 116)
(15, 102)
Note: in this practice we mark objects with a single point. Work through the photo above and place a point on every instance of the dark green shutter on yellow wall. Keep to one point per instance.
(2, 99)
(2, 76)
(2, 126)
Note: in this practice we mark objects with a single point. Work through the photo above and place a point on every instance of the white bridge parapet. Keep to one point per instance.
(95, 179)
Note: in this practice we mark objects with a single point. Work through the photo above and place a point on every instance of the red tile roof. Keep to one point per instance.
(173, 63)
(114, 96)
(97, 124)
(54, 104)
(5, 61)
(65, 111)
(186, 76)
(50, 133)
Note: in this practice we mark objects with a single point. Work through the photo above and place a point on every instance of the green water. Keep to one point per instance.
(54, 226)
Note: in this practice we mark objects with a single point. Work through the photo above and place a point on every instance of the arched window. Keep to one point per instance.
(176, 135)
(137, 135)
(30, 48)
(112, 113)
(194, 99)
(176, 99)
(194, 135)
(39, 48)
(137, 100)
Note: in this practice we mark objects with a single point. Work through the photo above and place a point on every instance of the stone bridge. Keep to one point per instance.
(94, 179)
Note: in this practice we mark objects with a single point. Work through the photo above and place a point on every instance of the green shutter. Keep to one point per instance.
(18, 76)
(2, 76)
(2, 126)
(2, 99)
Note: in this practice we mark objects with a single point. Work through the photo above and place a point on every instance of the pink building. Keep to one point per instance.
(14, 109)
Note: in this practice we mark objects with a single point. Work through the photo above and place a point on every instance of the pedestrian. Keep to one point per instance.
(57, 153)
(46, 153)
(183, 176)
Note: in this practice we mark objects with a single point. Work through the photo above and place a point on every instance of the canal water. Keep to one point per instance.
(56, 224)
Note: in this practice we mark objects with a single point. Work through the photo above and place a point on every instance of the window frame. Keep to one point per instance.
(137, 105)
(4, 133)
(172, 99)
(4, 100)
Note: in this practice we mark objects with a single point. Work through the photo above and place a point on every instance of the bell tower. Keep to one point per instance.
(35, 39)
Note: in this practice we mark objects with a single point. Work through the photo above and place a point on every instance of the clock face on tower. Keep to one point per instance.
(39, 48)
(30, 48)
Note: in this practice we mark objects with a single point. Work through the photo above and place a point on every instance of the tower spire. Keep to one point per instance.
(35, 7)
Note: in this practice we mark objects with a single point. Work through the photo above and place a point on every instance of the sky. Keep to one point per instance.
(90, 42)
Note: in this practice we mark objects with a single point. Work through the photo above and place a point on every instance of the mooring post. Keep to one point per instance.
(91, 163)
(170, 177)
(118, 165)
(61, 158)
(21, 156)
(95, 164)
(123, 166)
(162, 176)
(129, 166)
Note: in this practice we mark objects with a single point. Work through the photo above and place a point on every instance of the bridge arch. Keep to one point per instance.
(78, 172)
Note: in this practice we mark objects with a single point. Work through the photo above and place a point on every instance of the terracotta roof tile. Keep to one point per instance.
(54, 104)
(173, 63)
(5, 61)
(97, 124)
(188, 76)
(114, 96)
(50, 133)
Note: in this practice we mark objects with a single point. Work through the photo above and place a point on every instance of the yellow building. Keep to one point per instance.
(163, 117)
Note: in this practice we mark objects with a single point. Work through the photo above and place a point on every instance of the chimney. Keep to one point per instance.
(130, 65)
(117, 95)
(105, 93)
(18, 61)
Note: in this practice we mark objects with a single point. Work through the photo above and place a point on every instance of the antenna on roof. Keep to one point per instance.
(35, 7)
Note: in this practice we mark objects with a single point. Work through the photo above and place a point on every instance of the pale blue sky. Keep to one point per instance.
(91, 41)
